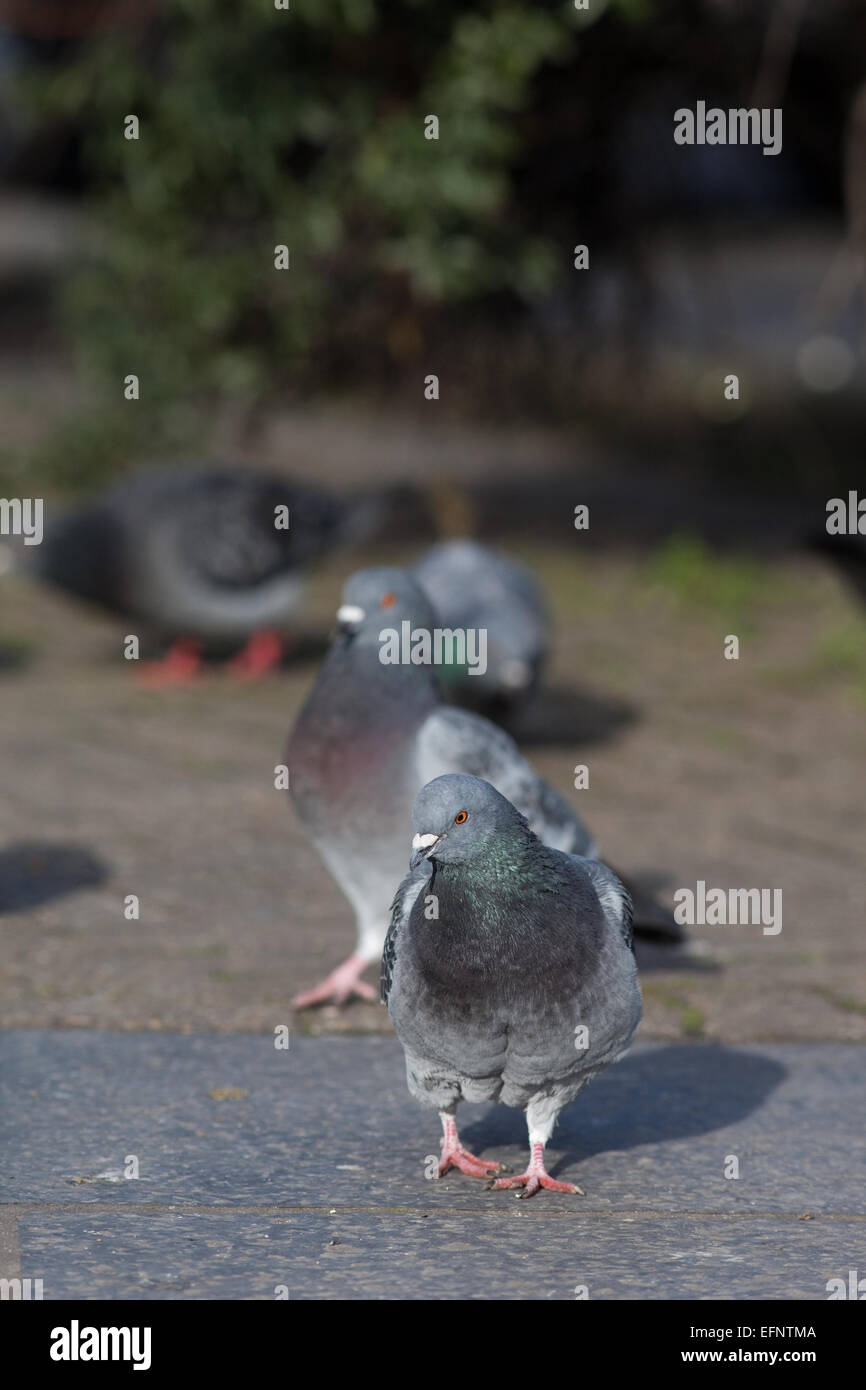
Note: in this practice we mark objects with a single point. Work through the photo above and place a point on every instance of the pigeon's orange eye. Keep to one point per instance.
(461, 817)
(388, 600)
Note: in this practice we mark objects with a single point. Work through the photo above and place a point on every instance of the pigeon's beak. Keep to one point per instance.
(349, 619)
(423, 847)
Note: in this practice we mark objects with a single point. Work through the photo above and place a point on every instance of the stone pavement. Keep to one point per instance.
(300, 1173)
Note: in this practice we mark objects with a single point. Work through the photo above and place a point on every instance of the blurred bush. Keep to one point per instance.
(306, 128)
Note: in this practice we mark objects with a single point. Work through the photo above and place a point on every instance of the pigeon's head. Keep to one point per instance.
(458, 818)
(382, 598)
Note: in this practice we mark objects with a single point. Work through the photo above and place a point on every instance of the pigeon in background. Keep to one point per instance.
(196, 555)
(472, 586)
(508, 970)
(369, 736)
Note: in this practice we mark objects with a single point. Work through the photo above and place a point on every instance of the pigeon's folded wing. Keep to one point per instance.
(453, 740)
(613, 895)
(404, 900)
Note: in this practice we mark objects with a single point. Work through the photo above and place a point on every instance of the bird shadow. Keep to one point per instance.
(555, 714)
(673, 957)
(665, 1093)
(32, 873)
(14, 656)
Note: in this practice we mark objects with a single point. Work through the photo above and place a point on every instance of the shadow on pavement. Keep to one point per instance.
(559, 715)
(651, 1097)
(33, 873)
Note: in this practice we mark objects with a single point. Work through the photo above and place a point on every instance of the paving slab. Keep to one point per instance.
(516, 1254)
(744, 776)
(252, 1160)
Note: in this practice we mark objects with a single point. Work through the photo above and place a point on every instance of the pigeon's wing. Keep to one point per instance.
(453, 740)
(404, 900)
(613, 895)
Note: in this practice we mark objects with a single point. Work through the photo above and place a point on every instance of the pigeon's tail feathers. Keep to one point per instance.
(81, 553)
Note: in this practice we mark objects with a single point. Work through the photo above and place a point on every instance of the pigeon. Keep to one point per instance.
(370, 735)
(508, 970)
(472, 586)
(205, 556)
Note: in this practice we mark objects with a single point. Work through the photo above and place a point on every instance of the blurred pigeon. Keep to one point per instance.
(508, 970)
(200, 555)
(369, 736)
(473, 587)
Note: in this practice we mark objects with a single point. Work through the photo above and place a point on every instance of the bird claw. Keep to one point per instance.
(531, 1182)
(339, 987)
(468, 1163)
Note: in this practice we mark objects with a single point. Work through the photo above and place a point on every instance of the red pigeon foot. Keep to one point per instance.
(536, 1176)
(454, 1155)
(180, 665)
(339, 987)
(261, 655)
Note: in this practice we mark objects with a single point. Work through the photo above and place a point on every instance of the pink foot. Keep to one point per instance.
(342, 984)
(455, 1156)
(536, 1176)
(180, 665)
(262, 655)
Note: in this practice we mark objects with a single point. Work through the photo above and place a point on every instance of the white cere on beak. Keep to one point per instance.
(424, 841)
(350, 613)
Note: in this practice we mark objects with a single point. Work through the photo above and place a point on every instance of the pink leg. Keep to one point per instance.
(262, 655)
(454, 1154)
(180, 665)
(536, 1176)
(340, 986)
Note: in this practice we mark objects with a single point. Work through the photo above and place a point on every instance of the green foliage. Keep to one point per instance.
(840, 655)
(698, 577)
(262, 127)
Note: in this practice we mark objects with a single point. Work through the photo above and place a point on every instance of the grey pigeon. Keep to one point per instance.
(195, 553)
(508, 970)
(472, 586)
(369, 736)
